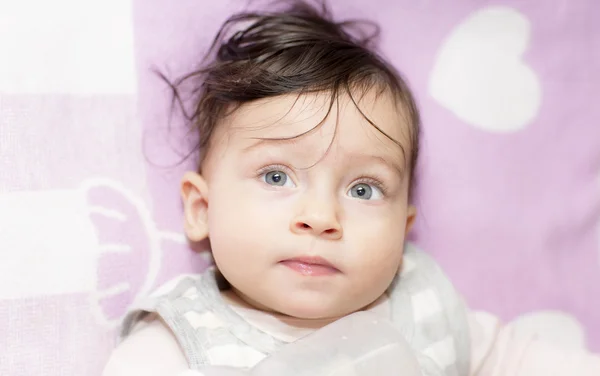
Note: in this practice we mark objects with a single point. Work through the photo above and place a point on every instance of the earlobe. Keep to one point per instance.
(411, 215)
(194, 193)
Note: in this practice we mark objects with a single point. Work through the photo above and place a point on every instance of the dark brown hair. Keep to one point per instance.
(295, 50)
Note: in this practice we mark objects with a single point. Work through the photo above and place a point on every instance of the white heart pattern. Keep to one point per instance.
(479, 73)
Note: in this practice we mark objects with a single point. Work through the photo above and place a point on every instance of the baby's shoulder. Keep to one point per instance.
(178, 286)
(181, 294)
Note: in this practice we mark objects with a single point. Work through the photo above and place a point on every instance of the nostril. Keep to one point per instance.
(330, 231)
(304, 225)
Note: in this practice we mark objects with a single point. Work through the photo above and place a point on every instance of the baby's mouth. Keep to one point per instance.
(311, 266)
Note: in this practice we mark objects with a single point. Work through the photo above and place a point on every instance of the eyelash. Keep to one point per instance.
(274, 167)
(364, 179)
(373, 181)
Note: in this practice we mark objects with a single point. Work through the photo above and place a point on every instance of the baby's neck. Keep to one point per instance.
(287, 328)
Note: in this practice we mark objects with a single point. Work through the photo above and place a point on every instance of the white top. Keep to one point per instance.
(497, 350)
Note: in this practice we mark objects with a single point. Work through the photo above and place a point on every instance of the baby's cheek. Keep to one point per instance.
(236, 231)
(378, 261)
(380, 270)
(377, 243)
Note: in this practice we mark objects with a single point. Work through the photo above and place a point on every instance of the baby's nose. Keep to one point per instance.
(318, 225)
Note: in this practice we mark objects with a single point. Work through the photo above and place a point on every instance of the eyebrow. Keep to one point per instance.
(263, 141)
(392, 165)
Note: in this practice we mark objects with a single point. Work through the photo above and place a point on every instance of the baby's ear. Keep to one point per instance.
(411, 215)
(194, 193)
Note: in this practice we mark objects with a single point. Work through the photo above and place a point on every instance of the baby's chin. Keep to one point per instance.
(310, 310)
(311, 313)
(309, 304)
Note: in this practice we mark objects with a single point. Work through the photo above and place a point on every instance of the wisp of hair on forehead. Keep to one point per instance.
(297, 49)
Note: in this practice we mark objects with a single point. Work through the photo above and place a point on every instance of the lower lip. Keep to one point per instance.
(315, 270)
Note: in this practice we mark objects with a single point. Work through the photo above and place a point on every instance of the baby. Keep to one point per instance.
(308, 144)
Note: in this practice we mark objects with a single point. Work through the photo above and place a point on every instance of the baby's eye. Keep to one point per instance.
(278, 178)
(365, 191)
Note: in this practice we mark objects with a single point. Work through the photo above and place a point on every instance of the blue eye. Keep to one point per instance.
(276, 178)
(365, 191)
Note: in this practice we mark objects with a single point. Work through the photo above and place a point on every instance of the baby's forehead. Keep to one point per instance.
(304, 129)
(367, 117)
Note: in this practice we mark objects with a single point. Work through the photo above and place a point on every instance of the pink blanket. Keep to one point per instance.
(509, 191)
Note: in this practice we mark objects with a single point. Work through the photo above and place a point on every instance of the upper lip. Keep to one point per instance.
(312, 260)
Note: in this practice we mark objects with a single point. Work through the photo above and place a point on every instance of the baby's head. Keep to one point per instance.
(308, 143)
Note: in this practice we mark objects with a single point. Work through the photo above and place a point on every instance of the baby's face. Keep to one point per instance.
(312, 227)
